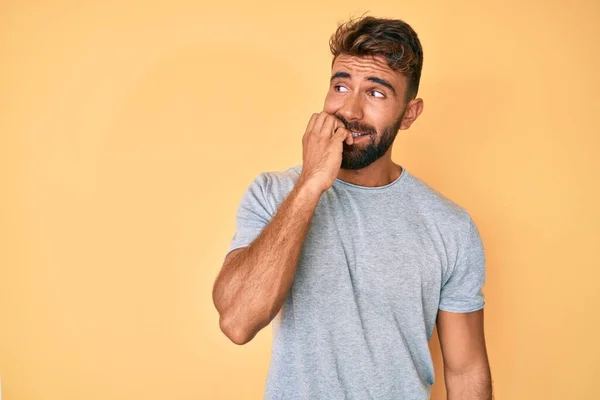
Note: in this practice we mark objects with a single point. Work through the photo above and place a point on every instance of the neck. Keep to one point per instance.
(382, 172)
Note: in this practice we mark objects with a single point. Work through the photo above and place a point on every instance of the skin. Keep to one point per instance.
(358, 99)
(466, 367)
(356, 96)
(254, 281)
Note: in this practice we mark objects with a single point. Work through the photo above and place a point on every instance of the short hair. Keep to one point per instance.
(392, 39)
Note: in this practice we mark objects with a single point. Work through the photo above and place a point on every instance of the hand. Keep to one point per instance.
(322, 145)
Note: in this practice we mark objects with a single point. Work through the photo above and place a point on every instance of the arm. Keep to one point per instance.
(466, 367)
(254, 280)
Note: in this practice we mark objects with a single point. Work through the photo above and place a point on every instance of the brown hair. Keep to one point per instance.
(393, 39)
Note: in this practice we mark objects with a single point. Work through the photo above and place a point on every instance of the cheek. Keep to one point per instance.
(332, 103)
(380, 117)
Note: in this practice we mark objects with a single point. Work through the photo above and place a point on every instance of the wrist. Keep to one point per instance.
(308, 190)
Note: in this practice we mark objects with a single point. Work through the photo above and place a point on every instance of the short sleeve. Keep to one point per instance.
(252, 214)
(462, 291)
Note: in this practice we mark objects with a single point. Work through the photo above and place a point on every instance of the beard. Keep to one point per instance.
(360, 156)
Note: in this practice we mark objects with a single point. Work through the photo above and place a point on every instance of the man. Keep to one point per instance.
(354, 258)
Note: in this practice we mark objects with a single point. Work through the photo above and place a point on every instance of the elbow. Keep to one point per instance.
(231, 327)
(235, 332)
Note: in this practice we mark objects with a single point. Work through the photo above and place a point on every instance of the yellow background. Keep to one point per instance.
(130, 129)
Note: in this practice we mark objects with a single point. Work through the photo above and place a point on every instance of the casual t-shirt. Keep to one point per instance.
(376, 265)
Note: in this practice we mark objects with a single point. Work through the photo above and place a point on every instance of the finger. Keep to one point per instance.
(343, 135)
(311, 123)
(328, 125)
(319, 122)
(338, 123)
(309, 128)
(349, 138)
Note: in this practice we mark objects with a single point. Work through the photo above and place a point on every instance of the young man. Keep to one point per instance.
(352, 257)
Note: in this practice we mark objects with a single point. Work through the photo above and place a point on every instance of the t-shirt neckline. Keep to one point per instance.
(373, 188)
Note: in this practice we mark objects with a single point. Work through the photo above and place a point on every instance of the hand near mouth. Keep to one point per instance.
(322, 145)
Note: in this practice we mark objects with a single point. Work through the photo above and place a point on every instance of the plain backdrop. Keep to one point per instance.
(130, 129)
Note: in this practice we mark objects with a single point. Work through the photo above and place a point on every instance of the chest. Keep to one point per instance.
(387, 258)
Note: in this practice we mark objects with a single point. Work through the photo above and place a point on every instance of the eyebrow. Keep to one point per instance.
(374, 79)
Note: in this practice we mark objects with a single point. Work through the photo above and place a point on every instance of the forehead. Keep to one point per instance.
(360, 67)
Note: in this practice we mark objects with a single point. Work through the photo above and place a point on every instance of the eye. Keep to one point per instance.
(340, 88)
(378, 94)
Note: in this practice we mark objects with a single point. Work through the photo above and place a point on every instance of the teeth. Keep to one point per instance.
(355, 134)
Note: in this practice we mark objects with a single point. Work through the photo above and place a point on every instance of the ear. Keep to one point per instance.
(414, 108)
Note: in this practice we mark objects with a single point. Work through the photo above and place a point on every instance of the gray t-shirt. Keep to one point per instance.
(375, 267)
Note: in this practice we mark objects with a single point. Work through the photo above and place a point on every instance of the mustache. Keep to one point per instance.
(357, 126)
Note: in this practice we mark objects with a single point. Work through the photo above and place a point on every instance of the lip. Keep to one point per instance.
(361, 138)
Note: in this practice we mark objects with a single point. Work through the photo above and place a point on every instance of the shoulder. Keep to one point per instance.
(277, 182)
(444, 212)
(276, 185)
(450, 223)
(281, 180)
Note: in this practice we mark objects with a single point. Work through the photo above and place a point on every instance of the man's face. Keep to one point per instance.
(368, 97)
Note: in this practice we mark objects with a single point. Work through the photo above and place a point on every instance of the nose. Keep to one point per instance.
(352, 107)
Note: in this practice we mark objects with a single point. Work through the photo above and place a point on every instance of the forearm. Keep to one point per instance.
(252, 286)
(473, 384)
